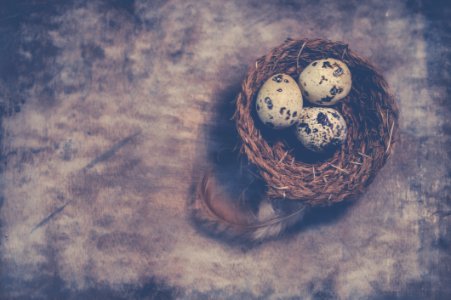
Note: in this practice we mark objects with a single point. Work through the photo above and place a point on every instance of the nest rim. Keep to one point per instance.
(370, 112)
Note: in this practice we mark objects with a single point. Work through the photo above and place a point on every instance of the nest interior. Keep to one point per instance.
(370, 112)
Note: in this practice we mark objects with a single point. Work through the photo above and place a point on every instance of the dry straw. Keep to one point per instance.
(370, 112)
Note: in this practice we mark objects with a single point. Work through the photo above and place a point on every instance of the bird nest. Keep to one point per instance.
(370, 112)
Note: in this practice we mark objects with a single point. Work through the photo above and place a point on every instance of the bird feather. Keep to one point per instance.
(221, 216)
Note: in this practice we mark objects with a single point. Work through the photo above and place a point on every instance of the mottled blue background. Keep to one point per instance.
(110, 109)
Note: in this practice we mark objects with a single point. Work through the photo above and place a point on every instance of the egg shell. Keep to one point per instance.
(321, 128)
(325, 81)
(279, 101)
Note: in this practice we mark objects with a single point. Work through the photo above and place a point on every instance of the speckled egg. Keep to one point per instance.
(321, 128)
(279, 101)
(325, 81)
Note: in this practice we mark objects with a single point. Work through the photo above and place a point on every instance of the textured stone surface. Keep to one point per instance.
(111, 108)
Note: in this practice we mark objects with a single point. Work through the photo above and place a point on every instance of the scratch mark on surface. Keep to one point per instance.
(104, 156)
(443, 214)
(49, 217)
(110, 152)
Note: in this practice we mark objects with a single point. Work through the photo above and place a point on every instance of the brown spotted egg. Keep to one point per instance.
(279, 101)
(321, 128)
(325, 81)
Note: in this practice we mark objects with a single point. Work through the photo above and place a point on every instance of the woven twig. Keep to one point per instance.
(369, 110)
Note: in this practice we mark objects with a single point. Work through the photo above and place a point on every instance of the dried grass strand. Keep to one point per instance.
(299, 55)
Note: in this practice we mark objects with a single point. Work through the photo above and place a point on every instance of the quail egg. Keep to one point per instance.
(325, 81)
(321, 128)
(279, 101)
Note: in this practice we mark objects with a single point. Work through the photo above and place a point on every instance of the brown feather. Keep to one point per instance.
(219, 215)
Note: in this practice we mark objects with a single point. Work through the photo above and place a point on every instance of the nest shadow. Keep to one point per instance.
(236, 177)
